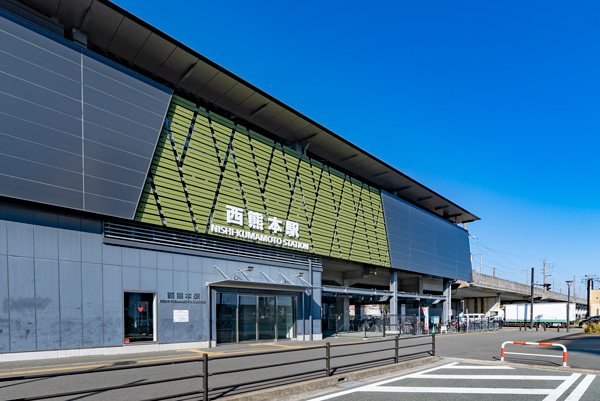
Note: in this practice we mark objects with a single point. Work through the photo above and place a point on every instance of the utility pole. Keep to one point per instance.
(545, 288)
(574, 288)
(589, 280)
(531, 311)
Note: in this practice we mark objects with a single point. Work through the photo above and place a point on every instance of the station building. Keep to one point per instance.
(151, 199)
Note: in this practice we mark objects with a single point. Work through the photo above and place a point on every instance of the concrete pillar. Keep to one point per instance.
(342, 311)
(448, 302)
(394, 301)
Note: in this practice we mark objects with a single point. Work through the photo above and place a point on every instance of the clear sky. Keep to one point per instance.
(492, 104)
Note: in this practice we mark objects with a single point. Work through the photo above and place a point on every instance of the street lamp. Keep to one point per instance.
(569, 282)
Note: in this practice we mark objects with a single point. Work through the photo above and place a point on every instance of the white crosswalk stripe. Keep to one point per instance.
(394, 385)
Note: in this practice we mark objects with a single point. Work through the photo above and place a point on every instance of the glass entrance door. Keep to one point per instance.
(286, 317)
(247, 318)
(266, 318)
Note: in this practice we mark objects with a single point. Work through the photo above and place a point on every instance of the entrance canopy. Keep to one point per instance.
(259, 285)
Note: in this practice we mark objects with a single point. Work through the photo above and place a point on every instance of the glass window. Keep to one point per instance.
(139, 316)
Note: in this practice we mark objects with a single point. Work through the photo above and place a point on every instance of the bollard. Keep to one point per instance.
(537, 327)
(396, 350)
(545, 327)
(383, 325)
(433, 345)
(558, 328)
(205, 377)
(520, 327)
(327, 359)
(365, 327)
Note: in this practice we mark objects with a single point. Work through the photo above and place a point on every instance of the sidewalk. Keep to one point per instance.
(93, 362)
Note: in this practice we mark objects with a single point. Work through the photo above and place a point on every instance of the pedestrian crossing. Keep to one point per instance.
(489, 380)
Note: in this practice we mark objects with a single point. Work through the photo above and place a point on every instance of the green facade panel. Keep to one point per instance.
(211, 176)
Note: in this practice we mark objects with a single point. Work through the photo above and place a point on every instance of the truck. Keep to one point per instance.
(549, 313)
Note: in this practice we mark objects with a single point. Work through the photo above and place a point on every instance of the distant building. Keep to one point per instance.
(151, 199)
(594, 303)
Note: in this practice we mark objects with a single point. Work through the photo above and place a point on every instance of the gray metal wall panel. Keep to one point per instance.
(423, 243)
(180, 284)
(37, 44)
(67, 106)
(40, 154)
(109, 154)
(130, 257)
(107, 206)
(98, 168)
(21, 286)
(91, 281)
(46, 304)
(148, 259)
(38, 75)
(110, 189)
(55, 123)
(111, 255)
(52, 88)
(131, 278)
(23, 169)
(71, 319)
(128, 85)
(198, 312)
(3, 233)
(165, 311)
(69, 239)
(112, 296)
(165, 260)
(23, 189)
(20, 238)
(91, 248)
(148, 280)
(4, 301)
(180, 262)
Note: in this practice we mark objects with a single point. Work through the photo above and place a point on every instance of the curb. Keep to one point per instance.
(317, 384)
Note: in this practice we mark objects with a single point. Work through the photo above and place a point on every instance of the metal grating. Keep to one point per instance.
(150, 234)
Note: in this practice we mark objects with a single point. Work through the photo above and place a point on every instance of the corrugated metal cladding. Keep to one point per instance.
(76, 130)
(423, 243)
(205, 164)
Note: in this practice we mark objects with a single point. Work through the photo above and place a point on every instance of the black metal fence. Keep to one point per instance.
(345, 325)
(212, 377)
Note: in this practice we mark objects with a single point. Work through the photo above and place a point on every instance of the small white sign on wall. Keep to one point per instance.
(181, 316)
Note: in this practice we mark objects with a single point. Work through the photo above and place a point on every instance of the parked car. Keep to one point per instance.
(591, 319)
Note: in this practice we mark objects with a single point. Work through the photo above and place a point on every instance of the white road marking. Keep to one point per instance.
(479, 367)
(364, 388)
(491, 377)
(555, 395)
(581, 388)
(458, 390)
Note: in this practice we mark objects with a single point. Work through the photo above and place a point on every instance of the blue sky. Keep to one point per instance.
(494, 105)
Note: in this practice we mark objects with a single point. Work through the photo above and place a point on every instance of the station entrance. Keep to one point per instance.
(255, 317)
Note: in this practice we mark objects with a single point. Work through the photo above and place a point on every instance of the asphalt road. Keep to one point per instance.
(583, 350)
